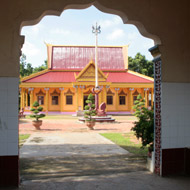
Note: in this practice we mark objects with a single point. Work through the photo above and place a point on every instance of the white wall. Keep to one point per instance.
(8, 116)
(175, 112)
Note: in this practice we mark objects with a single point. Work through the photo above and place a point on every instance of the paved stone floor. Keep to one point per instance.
(66, 156)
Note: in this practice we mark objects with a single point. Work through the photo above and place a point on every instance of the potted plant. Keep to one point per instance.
(90, 112)
(37, 115)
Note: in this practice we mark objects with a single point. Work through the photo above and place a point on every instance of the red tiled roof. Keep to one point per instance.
(65, 76)
(56, 76)
(125, 77)
(77, 57)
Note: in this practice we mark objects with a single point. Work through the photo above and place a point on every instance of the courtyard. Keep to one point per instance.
(64, 154)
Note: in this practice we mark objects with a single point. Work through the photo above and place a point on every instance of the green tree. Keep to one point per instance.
(144, 127)
(36, 111)
(141, 65)
(90, 108)
(41, 67)
(25, 68)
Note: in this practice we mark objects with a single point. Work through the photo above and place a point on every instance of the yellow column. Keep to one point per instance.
(146, 97)
(117, 98)
(61, 101)
(77, 98)
(26, 98)
(105, 95)
(82, 98)
(47, 99)
(131, 99)
(142, 93)
(152, 93)
(21, 99)
(31, 96)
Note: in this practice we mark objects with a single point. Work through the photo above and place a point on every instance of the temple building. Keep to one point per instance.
(70, 77)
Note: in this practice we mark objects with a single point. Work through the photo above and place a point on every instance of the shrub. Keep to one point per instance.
(36, 111)
(144, 127)
(90, 108)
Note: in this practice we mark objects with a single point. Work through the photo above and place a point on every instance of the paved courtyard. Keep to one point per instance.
(65, 155)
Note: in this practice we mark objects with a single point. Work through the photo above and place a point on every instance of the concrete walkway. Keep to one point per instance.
(68, 144)
(86, 161)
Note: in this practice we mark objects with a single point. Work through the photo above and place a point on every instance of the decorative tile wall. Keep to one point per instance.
(8, 116)
(175, 115)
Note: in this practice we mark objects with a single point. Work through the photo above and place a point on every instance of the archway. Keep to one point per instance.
(141, 28)
(36, 17)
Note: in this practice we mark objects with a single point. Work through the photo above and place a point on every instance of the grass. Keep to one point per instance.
(23, 138)
(125, 141)
(127, 117)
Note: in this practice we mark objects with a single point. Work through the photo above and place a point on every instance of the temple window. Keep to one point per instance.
(41, 100)
(55, 100)
(121, 100)
(69, 99)
(109, 100)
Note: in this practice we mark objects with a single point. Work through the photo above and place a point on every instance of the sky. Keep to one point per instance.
(74, 27)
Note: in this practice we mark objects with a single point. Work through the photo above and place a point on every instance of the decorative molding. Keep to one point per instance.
(109, 92)
(135, 93)
(82, 86)
(46, 89)
(40, 93)
(157, 111)
(69, 92)
(61, 89)
(55, 93)
(30, 89)
(88, 92)
(131, 89)
(88, 73)
(117, 89)
(122, 93)
(90, 86)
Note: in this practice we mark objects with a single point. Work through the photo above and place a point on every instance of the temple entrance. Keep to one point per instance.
(70, 95)
(74, 89)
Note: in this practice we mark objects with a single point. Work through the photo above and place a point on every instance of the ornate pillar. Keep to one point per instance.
(131, 99)
(117, 98)
(26, 94)
(82, 87)
(61, 101)
(142, 93)
(146, 97)
(77, 97)
(152, 92)
(157, 107)
(47, 99)
(31, 90)
(23, 98)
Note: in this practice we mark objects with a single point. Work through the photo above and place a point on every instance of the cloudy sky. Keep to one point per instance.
(74, 27)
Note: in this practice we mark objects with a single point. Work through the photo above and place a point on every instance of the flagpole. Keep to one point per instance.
(96, 30)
